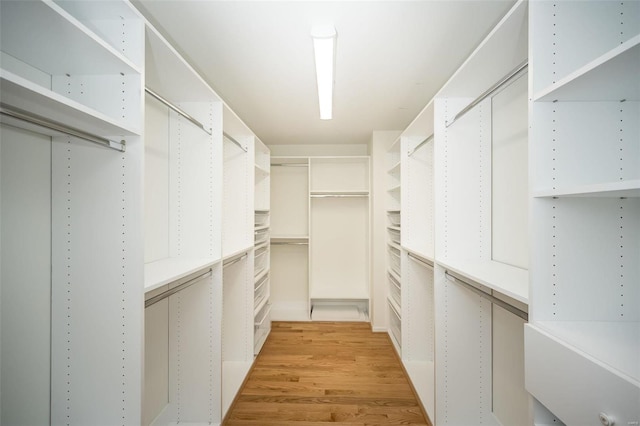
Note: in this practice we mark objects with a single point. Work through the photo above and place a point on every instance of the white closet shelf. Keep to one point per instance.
(24, 95)
(259, 305)
(168, 74)
(395, 307)
(260, 227)
(262, 170)
(614, 343)
(611, 77)
(289, 238)
(395, 188)
(264, 309)
(627, 188)
(395, 167)
(505, 279)
(70, 48)
(166, 271)
(394, 275)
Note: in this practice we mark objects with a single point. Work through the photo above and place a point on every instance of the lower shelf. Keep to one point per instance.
(324, 310)
(578, 394)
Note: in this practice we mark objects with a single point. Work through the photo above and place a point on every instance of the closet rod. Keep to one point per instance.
(516, 72)
(178, 110)
(420, 260)
(288, 243)
(59, 127)
(518, 312)
(234, 260)
(231, 139)
(420, 145)
(155, 299)
(337, 195)
(289, 165)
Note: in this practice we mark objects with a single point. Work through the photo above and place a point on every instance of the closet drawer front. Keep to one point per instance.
(573, 387)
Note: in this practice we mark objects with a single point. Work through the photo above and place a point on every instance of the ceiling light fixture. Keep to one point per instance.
(324, 41)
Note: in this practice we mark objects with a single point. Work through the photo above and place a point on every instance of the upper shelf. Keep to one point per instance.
(167, 73)
(22, 94)
(70, 48)
(611, 77)
(166, 271)
(505, 279)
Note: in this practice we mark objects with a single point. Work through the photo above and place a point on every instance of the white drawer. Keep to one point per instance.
(575, 387)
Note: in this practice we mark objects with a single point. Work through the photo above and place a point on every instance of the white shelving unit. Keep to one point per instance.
(71, 328)
(394, 236)
(458, 182)
(411, 253)
(183, 271)
(239, 239)
(290, 238)
(585, 159)
(320, 238)
(262, 249)
(339, 231)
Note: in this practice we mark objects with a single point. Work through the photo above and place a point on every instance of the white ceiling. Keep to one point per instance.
(391, 58)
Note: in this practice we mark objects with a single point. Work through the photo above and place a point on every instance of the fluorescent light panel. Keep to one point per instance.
(323, 45)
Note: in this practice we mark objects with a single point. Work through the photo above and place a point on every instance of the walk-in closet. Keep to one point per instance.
(192, 232)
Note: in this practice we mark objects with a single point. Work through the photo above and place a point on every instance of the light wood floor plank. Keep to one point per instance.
(314, 373)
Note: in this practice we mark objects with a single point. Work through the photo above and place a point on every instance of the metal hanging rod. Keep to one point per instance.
(288, 243)
(61, 128)
(155, 299)
(337, 195)
(178, 110)
(516, 72)
(516, 311)
(420, 260)
(289, 165)
(230, 262)
(420, 145)
(231, 139)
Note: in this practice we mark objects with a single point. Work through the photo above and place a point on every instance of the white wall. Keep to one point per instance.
(380, 142)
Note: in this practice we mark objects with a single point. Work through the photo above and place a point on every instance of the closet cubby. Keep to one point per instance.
(238, 186)
(393, 243)
(418, 184)
(238, 316)
(339, 238)
(585, 159)
(290, 238)
(394, 167)
(418, 351)
(72, 261)
(262, 249)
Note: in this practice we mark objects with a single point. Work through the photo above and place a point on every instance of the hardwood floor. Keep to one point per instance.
(315, 373)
